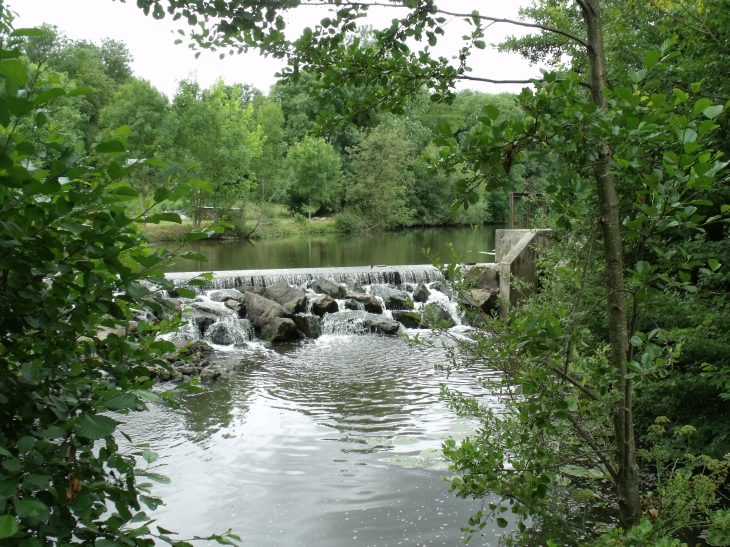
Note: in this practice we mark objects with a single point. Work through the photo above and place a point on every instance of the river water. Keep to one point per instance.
(322, 443)
(388, 248)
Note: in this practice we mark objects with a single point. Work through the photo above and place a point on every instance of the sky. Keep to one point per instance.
(159, 60)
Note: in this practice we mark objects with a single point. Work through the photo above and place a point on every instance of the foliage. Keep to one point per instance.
(315, 170)
(73, 277)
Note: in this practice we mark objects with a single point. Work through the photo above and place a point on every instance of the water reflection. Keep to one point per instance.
(390, 248)
(304, 446)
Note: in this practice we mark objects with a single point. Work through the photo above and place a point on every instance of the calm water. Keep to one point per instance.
(325, 443)
(392, 249)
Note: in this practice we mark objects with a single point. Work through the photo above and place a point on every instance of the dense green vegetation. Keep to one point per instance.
(258, 150)
(616, 377)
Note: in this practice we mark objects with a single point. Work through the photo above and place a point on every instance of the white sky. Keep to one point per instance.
(159, 60)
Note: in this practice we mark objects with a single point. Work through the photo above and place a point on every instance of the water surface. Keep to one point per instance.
(385, 248)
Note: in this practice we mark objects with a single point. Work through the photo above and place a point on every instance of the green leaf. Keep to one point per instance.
(166, 217)
(112, 146)
(713, 112)
(123, 131)
(96, 427)
(201, 185)
(713, 264)
(27, 32)
(192, 237)
(194, 256)
(122, 401)
(85, 90)
(501, 522)
(443, 129)
(8, 526)
(651, 59)
(15, 70)
(186, 293)
(31, 508)
(636, 341)
(48, 95)
(162, 479)
(156, 163)
(491, 111)
(701, 105)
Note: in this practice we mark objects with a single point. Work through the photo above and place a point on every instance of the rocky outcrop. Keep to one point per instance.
(435, 315)
(380, 324)
(218, 333)
(366, 302)
(226, 294)
(483, 278)
(325, 286)
(324, 304)
(309, 325)
(293, 300)
(442, 288)
(421, 293)
(280, 329)
(485, 300)
(393, 299)
(409, 319)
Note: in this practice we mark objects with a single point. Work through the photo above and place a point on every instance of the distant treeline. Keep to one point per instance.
(257, 149)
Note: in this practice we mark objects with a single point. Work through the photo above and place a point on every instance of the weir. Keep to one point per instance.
(364, 275)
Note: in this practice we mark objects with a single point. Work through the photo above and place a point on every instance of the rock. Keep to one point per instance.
(219, 333)
(486, 301)
(393, 299)
(354, 287)
(199, 346)
(209, 374)
(421, 293)
(483, 278)
(236, 306)
(204, 322)
(309, 325)
(280, 330)
(409, 319)
(270, 319)
(163, 374)
(293, 300)
(325, 286)
(172, 305)
(369, 303)
(256, 290)
(434, 315)
(442, 288)
(187, 370)
(380, 324)
(353, 305)
(324, 304)
(210, 308)
(226, 294)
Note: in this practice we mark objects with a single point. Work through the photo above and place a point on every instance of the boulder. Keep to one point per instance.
(236, 306)
(226, 294)
(484, 300)
(442, 288)
(484, 278)
(280, 329)
(421, 293)
(266, 316)
(435, 315)
(409, 319)
(210, 374)
(324, 304)
(203, 322)
(354, 287)
(380, 324)
(256, 290)
(393, 299)
(368, 302)
(293, 300)
(199, 346)
(353, 305)
(211, 309)
(309, 325)
(219, 333)
(325, 286)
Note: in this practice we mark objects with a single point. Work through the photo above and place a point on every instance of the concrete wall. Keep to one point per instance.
(517, 255)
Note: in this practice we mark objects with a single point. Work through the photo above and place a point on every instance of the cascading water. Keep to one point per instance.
(319, 442)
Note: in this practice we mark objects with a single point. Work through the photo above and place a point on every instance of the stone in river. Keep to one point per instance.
(280, 329)
(324, 304)
(394, 299)
(294, 300)
(266, 316)
(368, 301)
(219, 333)
(309, 325)
(409, 319)
(421, 293)
(226, 294)
(380, 324)
(325, 286)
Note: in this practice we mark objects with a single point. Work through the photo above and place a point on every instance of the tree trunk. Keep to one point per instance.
(627, 481)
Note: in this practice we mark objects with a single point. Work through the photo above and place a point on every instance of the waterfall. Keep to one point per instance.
(367, 275)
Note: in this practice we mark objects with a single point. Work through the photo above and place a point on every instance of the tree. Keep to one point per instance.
(73, 277)
(315, 169)
(381, 178)
(581, 127)
(143, 109)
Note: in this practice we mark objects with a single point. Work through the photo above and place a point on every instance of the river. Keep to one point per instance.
(323, 443)
(389, 248)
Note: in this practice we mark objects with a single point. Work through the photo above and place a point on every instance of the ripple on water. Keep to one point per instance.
(325, 443)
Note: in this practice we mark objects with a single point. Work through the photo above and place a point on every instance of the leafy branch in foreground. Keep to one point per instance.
(80, 325)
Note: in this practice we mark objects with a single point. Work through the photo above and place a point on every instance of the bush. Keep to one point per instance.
(349, 223)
